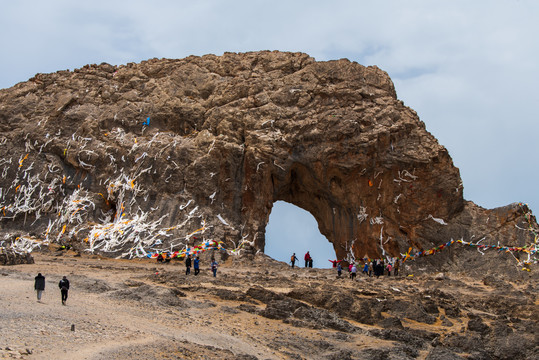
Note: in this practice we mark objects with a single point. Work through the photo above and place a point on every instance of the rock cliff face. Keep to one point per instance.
(165, 153)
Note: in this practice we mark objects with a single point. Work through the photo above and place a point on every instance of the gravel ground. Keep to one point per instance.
(136, 309)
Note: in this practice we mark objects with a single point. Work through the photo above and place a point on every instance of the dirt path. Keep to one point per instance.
(45, 327)
(129, 324)
(101, 325)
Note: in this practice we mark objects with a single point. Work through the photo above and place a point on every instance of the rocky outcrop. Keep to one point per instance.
(157, 154)
(10, 257)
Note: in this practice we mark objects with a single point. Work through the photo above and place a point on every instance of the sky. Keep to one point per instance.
(468, 68)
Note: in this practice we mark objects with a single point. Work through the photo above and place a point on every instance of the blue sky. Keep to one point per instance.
(469, 68)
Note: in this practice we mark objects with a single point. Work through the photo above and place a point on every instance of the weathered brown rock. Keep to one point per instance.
(10, 257)
(230, 135)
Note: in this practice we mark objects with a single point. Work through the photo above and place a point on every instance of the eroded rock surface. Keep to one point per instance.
(10, 257)
(152, 155)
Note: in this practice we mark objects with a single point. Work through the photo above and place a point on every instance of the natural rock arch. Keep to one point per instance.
(291, 229)
(229, 135)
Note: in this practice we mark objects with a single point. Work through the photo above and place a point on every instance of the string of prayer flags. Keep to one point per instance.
(194, 250)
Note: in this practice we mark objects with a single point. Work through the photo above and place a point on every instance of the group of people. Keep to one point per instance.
(39, 286)
(196, 265)
(163, 259)
(376, 267)
(190, 262)
(380, 267)
(308, 260)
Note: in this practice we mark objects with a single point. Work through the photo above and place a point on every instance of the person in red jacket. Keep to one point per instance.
(307, 259)
(334, 262)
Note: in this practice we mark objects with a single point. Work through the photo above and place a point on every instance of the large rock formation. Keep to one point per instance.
(158, 154)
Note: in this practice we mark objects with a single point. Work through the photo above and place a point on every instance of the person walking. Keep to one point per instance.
(188, 264)
(339, 270)
(293, 259)
(39, 285)
(196, 266)
(64, 288)
(214, 268)
(371, 267)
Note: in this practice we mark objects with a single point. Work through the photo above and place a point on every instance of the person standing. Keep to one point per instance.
(293, 259)
(188, 264)
(339, 270)
(39, 285)
(307, 258)
(196, 266)
(353, 271)
(214, 268)
(64, 288)
(378, 268)
(396, 269)
(311, 262)
(366, 268)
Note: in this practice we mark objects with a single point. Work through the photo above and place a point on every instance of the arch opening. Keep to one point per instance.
(291, 229)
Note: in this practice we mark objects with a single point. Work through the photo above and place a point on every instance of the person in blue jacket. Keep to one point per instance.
(366, 268)
(196, 265)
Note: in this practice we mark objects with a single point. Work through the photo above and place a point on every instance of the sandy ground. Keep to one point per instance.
(137, 309)
(107, 327)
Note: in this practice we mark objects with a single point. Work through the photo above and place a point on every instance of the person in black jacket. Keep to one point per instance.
(188, 265)
(39, 285)
(64, 288)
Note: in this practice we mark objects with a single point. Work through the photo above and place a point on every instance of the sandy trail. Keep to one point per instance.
(102, 325)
